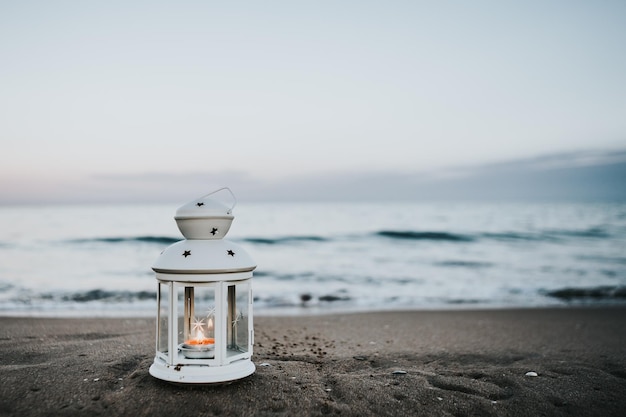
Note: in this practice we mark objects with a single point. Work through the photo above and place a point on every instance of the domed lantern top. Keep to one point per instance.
(200, 259)
(205, 218)
(203, 253)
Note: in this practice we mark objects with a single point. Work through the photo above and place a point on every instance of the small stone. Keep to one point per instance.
(96, 379)
(440, 399)
(328, 390)
(398, 373)
(531, 373)
(265, 364)
(360, 358)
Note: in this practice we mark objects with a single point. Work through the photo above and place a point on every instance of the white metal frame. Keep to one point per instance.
(173, 365)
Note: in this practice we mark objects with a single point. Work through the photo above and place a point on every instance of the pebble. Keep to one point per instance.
(398, 373)
(360, 358)
(531, 373)
(265, 364)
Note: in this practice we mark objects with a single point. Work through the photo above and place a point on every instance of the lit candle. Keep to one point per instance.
(200, 346)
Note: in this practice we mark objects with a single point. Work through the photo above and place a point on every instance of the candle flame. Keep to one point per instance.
(198, 337)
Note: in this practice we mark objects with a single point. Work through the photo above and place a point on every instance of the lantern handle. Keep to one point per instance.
(230, 210)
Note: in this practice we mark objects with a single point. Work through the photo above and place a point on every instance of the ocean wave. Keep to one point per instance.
(303, 275)
(603, 258)
(104, 295)
(416, 235)
(161, 240)
(606, 293)
(284, 239)
(464, 264)
(592, 232)
(465, 301)
(29, 298)
(551, 234)
(514, 236)
(302, 300)
(548, 235)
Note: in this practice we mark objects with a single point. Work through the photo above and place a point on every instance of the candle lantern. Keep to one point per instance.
(204, 330)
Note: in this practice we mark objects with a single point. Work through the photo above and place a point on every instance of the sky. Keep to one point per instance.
(156, 100)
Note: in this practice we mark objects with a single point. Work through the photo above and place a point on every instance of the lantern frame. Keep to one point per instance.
(171, 364)
(209, 275)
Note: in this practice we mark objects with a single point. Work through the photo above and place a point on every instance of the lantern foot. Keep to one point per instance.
(198, 374)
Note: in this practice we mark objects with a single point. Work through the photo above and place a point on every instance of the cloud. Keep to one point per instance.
(574, 176)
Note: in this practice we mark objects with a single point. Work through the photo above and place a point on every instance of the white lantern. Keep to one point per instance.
(204, 319)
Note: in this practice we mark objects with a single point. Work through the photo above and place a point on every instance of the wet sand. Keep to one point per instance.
(374, 364)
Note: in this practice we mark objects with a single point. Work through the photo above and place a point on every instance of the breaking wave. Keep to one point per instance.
(286, 239)
(416, 235)
(606, 293)
(166, 240)
(547, 235)
(113, 296)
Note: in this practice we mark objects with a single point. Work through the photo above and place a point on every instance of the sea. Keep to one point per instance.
(323, 258)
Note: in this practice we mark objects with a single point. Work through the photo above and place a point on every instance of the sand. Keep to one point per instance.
(451, 363)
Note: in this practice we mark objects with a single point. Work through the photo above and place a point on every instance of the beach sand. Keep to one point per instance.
(369, 364)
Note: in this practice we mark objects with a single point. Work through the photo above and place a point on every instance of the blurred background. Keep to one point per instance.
(414, 154)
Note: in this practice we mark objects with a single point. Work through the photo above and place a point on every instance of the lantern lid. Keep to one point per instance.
(205, 207)
(197, 256)
(205, 218)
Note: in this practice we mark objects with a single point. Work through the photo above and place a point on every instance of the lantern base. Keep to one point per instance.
(201, 374)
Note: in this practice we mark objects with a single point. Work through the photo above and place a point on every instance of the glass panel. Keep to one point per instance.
(163, 319)
(196, 321)
(238, 299)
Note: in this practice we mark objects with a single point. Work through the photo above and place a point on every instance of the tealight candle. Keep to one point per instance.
(203, 341)
(200, 347)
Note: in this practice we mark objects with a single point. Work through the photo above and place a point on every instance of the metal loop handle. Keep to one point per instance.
(217, 191)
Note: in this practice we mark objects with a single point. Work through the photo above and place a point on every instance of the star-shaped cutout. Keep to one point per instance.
(214, 231)
(198, 324)
(230, 252)
(200, 204)
(187, 253)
